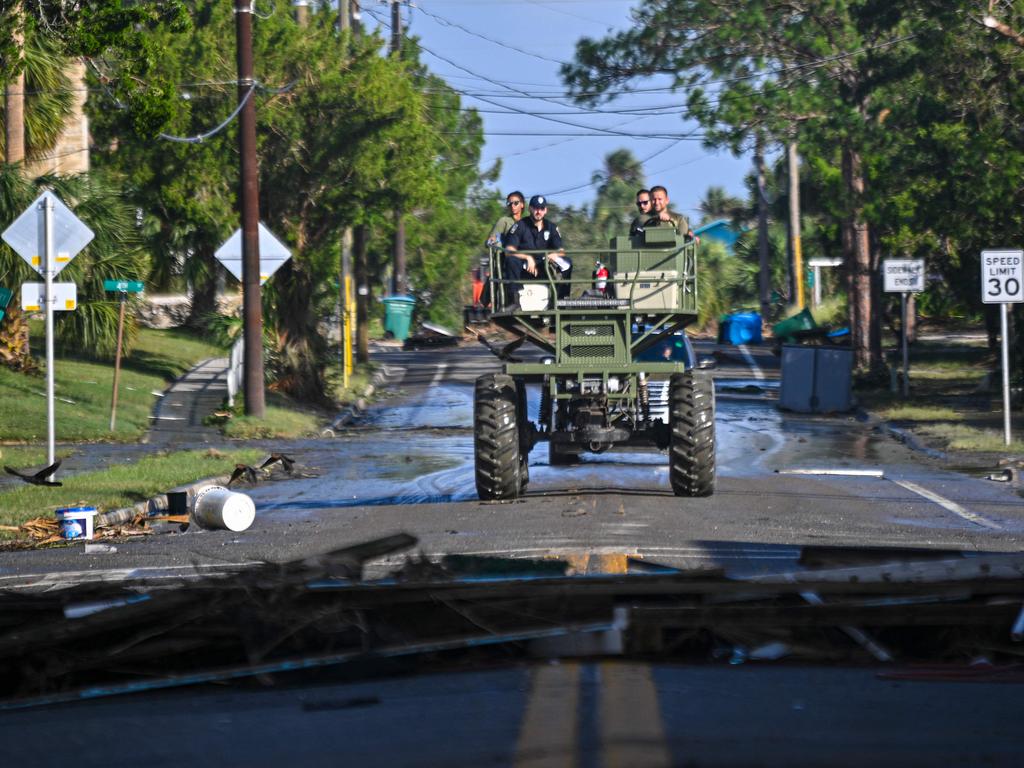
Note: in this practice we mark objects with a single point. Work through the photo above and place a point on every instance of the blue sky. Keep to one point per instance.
(505, 60)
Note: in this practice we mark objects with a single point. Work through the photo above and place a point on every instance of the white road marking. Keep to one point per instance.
(952, 506)
(755, 369)
(439, 374)
(835, 472)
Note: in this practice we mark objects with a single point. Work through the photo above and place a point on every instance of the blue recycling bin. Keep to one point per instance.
(398, 315)
(740, 328)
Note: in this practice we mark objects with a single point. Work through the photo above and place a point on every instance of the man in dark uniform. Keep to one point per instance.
(536, 234)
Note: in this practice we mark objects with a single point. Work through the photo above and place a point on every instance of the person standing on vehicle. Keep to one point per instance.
(643, 204)
(536, 234)
(661, 217)
(516, 205)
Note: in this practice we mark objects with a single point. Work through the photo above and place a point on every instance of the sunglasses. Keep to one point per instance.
(514, 202)
(642, 203)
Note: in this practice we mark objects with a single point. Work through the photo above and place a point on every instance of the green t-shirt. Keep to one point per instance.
(499, 232)
(681, 223)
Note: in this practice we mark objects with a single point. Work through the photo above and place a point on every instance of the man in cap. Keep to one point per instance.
(536, 234)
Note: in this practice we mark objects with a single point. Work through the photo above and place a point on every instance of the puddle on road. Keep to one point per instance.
(399, 460)
(442, 406)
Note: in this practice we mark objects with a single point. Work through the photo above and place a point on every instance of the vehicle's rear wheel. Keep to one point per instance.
(692, 449)
(496, 440)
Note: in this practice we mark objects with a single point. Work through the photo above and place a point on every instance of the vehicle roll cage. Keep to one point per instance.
(652, 286)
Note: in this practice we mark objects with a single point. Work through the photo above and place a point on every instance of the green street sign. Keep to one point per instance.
(123, 286)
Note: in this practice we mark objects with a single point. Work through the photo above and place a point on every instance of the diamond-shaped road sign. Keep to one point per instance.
(70, 235)
(272, 254)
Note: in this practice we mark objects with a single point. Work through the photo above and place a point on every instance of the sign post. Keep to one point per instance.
(48, 227)
(123, 288)
(272, 254)
(1002, 283)
(903, 276)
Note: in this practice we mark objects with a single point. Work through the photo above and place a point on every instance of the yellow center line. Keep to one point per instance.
(549, 732)
(632, 732)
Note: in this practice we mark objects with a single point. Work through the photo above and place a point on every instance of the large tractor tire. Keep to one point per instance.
(691, 453)
(496, 441)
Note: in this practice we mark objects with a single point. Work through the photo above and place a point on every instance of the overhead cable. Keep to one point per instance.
(198, 139)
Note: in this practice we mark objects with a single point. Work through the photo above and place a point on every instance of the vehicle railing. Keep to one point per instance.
(683, 265)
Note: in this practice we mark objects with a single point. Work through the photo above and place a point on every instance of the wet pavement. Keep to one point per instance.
(785, 482)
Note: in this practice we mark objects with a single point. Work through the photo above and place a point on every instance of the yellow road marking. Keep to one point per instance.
(632, 732)
(549, 733)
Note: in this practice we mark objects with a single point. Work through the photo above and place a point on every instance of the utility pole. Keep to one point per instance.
(794, 223)
(252, 310)
(344, 16)
(14, 100)
(398, 249)
(301, 12)
(762, 226)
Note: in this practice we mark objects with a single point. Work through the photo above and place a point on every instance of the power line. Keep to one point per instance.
(199, 138)
(449, 23)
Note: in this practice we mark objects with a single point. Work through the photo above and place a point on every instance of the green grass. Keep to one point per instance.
(83, 390)
(920, 413)
(963, 437)
(122, 485)
(277, 423)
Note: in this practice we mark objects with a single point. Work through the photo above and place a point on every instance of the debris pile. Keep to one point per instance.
(960, 616)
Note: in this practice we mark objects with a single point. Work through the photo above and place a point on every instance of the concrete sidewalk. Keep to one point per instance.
(178, 416)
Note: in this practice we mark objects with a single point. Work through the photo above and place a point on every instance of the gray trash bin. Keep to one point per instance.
(816, 379)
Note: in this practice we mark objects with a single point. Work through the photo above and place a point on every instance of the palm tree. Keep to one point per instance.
(618, 182)
(718, 204)
(114, 252)
(37, 102)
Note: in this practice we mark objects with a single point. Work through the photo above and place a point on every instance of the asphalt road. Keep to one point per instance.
(786, 483)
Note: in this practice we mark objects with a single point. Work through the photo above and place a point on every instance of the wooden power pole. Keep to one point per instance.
(400, 286)
(252, 309)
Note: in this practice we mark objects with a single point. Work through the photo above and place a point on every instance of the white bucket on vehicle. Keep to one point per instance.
(222, 508)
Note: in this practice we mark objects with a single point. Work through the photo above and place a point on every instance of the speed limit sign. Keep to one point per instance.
(1002, 277)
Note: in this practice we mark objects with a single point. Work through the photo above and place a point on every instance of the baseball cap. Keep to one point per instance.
(538, 201)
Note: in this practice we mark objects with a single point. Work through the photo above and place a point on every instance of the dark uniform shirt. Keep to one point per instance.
(525, 236)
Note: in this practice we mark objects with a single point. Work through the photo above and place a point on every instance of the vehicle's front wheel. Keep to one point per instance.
(692, 448)
(496, 443)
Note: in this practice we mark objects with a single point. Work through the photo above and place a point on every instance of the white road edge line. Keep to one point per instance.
(952, 506)
(838, 472)
(749, 358)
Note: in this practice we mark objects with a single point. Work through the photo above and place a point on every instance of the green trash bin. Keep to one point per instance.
(398, 315)
(801, 321)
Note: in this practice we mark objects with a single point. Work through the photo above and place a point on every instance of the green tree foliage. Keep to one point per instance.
(345, 136)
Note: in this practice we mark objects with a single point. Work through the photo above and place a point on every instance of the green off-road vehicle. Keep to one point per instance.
(597, 376)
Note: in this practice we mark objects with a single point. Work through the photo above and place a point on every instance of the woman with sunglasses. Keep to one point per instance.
(515, 203)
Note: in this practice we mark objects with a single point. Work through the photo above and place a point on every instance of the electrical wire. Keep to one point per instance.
(198, 139)
(449, 23)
